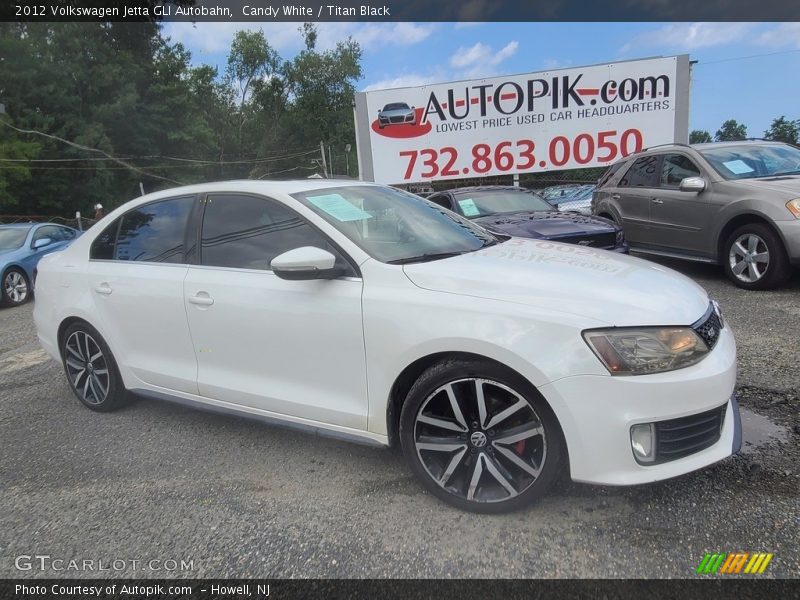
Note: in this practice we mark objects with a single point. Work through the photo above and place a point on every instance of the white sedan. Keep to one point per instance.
(366, 313)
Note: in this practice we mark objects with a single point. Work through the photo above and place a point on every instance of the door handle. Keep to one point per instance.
(103, 288)
(201, 299)
(615, 196)
(658, 201)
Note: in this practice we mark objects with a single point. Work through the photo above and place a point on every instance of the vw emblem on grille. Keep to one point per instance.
(712, 332)
(478, 439)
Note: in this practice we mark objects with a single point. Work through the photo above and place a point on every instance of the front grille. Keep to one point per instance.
(396, 119)
(708, 327)
(677, 438)
(600, 240)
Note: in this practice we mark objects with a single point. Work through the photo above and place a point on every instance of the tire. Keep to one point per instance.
(754, 258)
(490, 467)
(91, 370)
(16, 288)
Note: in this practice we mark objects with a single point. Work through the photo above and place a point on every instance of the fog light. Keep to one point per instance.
(643, 442)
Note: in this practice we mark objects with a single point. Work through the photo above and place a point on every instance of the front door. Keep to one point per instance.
(295, 348)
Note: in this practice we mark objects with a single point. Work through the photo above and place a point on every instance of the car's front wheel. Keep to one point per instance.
(754, 258)
(480, 437)
(16, 287)
(91, 369)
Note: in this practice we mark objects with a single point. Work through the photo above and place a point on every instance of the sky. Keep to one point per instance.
(746, 71)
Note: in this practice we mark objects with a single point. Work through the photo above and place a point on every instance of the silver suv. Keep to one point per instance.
(734, 203)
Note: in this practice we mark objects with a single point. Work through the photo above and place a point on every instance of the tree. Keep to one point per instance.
(699, 136)
(782, 130)
(731, 131)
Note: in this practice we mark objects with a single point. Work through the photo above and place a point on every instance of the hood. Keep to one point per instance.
(606, 287)
(788, 185)
(545, 224)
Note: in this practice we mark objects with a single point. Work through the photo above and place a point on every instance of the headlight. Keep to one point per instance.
(643, 350)
(794, 207)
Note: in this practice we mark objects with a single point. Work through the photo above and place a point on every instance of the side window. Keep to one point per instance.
(247, 232)
(66, 234)
(103, 245)
(442, 200)
(675, 168)
(644, 172)
(610, 172)
(48, 231)
(153, 233)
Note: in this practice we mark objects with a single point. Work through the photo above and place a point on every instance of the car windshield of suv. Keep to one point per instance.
(495, 202)
(12, 238)
(752, 160)
(393, 226)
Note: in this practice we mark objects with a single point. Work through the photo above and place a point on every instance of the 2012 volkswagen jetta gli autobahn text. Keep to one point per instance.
(366, 313)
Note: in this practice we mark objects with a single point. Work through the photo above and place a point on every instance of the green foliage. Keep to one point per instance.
(699, 136)
(124, 89)
(783, 130)
(731, 131)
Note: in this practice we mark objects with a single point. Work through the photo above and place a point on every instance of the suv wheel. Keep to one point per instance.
(754, 258)
(91, 370)
(480, 437)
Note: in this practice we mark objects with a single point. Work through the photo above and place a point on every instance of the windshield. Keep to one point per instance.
(393, 226)
(751, 161)
(400, 106)
(493, 202)
(13, 237)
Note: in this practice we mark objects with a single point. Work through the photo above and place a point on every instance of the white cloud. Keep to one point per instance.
(689, 36)
(211, 38)
(407, 80)
(555, 63)
(785, 34)
(480, 59)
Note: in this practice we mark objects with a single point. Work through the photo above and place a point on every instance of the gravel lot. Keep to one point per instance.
(156, 481)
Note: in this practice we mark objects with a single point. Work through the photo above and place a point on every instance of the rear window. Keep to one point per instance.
(644, 172)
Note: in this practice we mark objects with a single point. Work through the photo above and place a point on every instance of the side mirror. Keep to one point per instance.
(306, 263)
(693, 184)
(41, 243)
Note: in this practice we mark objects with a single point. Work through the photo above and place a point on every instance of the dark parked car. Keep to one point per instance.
(21, 247)
(576, 197)
(520, 212)
(732, 203)
(396, 113)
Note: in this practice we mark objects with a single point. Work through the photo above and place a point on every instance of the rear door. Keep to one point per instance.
(135, 275)
(680, 221)
(633, 194)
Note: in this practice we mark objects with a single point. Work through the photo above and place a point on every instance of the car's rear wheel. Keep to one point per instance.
(754, 258)
(480, 437)
(16, 287)
(91, 369)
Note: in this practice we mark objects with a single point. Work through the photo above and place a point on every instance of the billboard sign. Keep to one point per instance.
(562, 119)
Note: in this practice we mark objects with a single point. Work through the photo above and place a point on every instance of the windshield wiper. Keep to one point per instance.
(425, 257)
(795, 172)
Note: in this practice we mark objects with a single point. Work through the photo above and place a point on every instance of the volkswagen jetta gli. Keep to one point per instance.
(370, 314)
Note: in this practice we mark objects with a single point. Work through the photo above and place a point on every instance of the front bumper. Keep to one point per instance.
(790, 232)
(596, 414)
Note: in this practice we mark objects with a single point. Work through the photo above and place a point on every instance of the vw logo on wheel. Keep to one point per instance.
(478, 439)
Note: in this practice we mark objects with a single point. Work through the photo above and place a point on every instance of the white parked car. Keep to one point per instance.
(370, 314)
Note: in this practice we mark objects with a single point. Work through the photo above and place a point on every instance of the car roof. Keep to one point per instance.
(258, 186)
(736, 143)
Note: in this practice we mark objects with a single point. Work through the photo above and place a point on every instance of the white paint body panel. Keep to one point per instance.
(325, 354)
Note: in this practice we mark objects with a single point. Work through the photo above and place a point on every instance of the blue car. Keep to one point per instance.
(21, 247)
(520, 212)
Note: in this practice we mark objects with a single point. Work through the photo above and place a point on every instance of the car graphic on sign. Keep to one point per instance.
(396, 113)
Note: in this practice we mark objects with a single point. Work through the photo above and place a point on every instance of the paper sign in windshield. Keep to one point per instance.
(738, 167)
(339, 208)
(468, 207)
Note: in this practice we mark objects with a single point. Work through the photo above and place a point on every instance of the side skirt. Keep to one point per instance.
(275, 421)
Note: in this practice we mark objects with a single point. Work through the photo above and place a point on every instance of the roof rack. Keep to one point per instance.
(669, 144)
